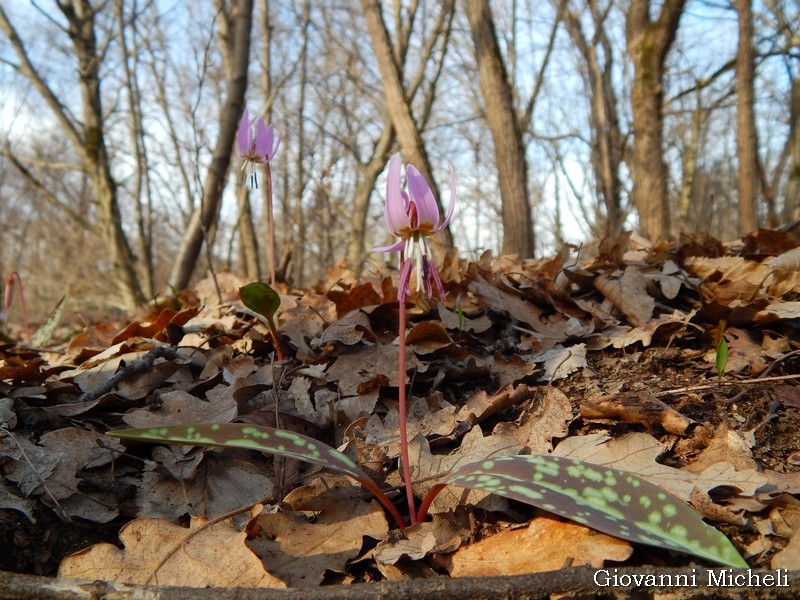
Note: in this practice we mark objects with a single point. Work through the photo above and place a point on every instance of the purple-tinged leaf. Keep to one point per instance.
(264, 439)
(603, 498)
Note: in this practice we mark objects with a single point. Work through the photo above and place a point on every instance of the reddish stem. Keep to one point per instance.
(383, 499)
(273, 331)
(9, 297)
(428, 500)
(401, 387)
(268, 180)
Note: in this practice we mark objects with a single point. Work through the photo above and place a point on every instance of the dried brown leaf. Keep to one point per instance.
(214, 557)
(637, 453)
(628, 294)
(546, 544)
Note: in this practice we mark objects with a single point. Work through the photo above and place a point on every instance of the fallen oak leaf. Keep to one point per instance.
(214, 557)
(546, 544)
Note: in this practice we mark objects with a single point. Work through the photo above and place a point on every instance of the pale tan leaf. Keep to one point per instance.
(628, 294)
(213, 557)
(299, 550)
(561, 362)
(426, 468)
(442, 534)
(637, 453)
(551, 420)
(545, 545)
(181, 408)
(788, 261)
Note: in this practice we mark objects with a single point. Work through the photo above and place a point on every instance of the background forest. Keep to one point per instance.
(565, 121)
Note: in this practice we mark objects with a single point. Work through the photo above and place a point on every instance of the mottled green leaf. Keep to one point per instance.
(606, 499)
(264, 439)
(251, 437)
(260, 298)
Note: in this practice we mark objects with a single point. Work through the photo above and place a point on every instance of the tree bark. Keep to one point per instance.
(89, 139)
(368, 175)
(607, 141)
(397, 103)
(648, 44)
(509, 149)
(746, 138)
(206, 215)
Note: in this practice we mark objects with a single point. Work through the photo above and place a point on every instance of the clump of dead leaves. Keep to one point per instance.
(608, 359)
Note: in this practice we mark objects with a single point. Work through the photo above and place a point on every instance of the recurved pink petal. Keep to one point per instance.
(273, 151)
(263, 140)
(422, 197)
(395, 211)
(243, 141)
(452, 206)
(396, 247)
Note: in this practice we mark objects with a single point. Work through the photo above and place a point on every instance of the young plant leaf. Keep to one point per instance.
(603, 498)
(260, 298)
(45, 333)
(722, 356)
(264, 439)
(263, 301)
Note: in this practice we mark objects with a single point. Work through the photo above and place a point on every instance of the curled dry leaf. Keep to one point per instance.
(216, 556)
(639, 407)
(629, 295)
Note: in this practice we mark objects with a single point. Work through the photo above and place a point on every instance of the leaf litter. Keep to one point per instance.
(609, 359)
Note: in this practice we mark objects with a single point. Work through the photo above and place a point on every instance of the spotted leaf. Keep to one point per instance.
(264, 439)
(606, 499)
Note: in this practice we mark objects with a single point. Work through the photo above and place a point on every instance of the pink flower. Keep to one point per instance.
(413, 216)
(255, 144)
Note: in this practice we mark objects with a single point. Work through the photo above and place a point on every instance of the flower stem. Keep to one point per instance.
(401, 387)
(271, 223)
(9, 295)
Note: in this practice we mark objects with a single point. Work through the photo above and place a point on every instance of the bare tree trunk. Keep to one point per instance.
(506, 132)
(791, 207)
(143, 205)
(368, 174)
(397, 102)
(299, 222)
(648, 43)
(247, 235)
(205, 216)
(267, 190)
(607, 141)
(746, 138)
(689, 162)
(90, 138)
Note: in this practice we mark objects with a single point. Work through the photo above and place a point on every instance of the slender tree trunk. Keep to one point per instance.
(648, 43)
(791, 207)
(80, 15)
(506, 132)
(268, 189)
(397, 102)
(247, 235)
(299, 239)
(143, 206)
(689, 163)
(368, 175)
(607, 141)
(205, 216)
(746, 138)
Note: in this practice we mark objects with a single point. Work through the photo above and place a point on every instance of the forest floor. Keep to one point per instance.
(612, 359)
